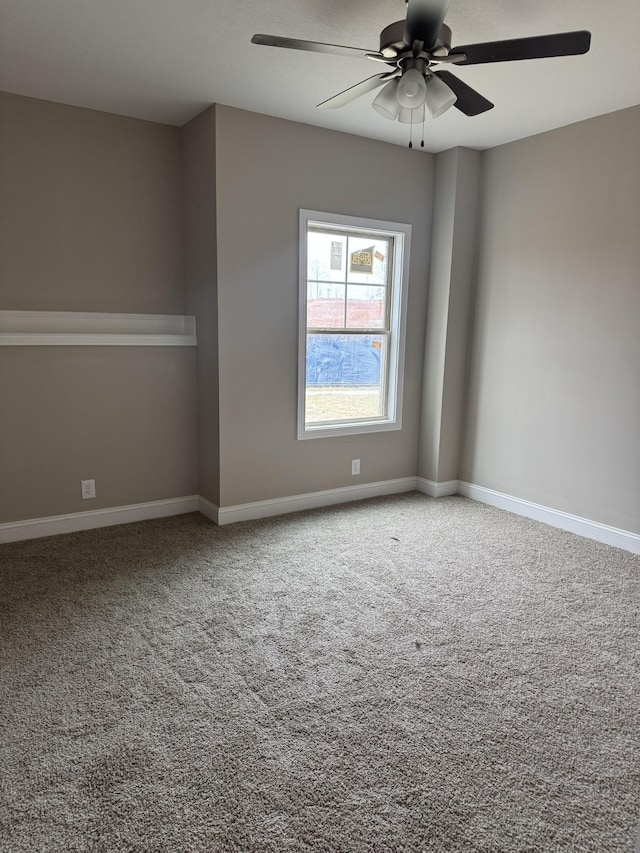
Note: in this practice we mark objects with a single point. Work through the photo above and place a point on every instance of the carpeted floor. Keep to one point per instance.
(402, 674)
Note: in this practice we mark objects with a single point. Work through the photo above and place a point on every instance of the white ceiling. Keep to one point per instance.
(166, 60)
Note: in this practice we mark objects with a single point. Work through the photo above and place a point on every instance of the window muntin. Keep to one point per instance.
(352, 295)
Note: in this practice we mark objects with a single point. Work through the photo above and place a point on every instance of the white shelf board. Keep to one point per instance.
(67, 328)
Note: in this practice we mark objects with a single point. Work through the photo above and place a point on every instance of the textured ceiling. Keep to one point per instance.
(166, 60)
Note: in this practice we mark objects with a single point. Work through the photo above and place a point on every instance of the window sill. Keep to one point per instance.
(348, 429)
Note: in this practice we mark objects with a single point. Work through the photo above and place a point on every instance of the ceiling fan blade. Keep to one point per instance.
(470, 102)
(535, 47)
(313, 46)
(356, 91)
(424, 20)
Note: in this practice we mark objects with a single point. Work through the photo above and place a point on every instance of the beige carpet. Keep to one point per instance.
(402, 674)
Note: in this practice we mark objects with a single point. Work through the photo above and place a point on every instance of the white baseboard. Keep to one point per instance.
(556, 518)
(37, 527)
(437, 490)
(312, 500)
(34, 528)
(209, 510)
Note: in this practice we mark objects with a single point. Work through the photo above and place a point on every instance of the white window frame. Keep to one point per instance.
(401, 233)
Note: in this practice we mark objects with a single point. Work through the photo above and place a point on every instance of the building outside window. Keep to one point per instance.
(353, 289)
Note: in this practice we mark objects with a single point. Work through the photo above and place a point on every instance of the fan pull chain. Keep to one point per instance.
(411, 132)
(424, 115)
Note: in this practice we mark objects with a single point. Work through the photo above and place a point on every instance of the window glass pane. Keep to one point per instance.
(326, 257)
(325, 304)
(346, 377)
(366, 306)
(369, 260)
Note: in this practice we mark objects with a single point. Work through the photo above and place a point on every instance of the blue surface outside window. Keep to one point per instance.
(344, 360)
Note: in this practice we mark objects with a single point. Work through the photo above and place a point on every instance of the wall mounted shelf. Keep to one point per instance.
(67, 328)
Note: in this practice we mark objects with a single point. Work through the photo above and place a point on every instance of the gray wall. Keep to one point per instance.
(200, 250)
(451, 292)
(267, 170)
(554, 404)
(90, 220)
(104, 213)
(90, 211)
(119, 415)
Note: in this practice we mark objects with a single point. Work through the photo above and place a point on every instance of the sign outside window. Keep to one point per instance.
(336, 255)
(362, 260)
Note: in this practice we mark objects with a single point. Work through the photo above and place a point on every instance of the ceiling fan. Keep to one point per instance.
(414, 47)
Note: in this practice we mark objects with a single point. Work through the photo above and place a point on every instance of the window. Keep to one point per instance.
(353, 289)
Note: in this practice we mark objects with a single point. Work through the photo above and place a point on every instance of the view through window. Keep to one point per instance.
(352, 281)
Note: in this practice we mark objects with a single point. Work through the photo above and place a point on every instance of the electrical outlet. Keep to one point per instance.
(355, 467)
(88, 489)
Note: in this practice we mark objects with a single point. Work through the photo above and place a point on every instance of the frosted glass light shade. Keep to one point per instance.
(411, 89)
(386, 101)
(411, 116)
(439, 96)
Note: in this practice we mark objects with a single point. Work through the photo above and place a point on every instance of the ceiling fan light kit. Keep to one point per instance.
(413, 48)
(412, 89)
(416, 116)
(439, 97)
(386, 101)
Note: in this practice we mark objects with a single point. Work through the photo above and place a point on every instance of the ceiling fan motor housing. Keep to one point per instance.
(392, 41)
